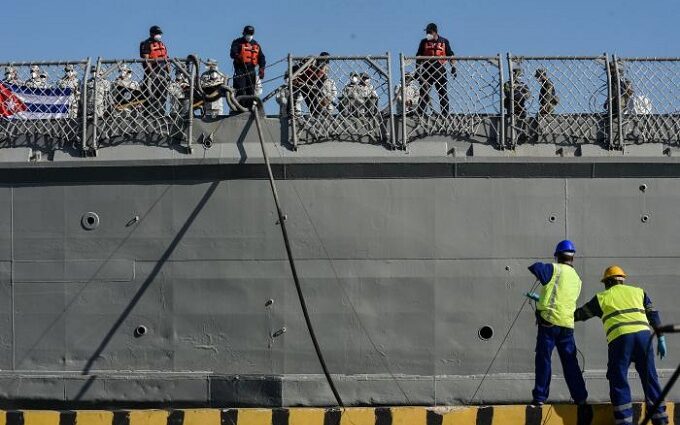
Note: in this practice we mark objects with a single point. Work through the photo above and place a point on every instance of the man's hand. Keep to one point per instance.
(532, 295)
(661, 347)
(261, 74)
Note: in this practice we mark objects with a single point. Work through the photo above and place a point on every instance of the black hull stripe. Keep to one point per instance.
(130, 174)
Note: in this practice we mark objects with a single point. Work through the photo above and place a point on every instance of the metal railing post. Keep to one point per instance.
(610, 105)
(390, 101)
(94, 106)
(619, 115)
(190, 129)
(291, 103)
(501, 126)
(83, 108)
(402, 67)
(511, 80)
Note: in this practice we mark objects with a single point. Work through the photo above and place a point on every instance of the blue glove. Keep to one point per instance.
(534, 296)
(661, 347)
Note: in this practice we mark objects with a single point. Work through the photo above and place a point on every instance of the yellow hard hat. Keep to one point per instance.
(613, 271)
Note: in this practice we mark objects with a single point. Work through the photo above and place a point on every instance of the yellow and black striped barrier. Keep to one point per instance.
(464, 415)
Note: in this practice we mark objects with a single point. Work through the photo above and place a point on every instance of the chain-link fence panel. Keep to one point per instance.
(649, 96)
(41, 103)
(338, 98)
(143, 101)
(561, 100)
(458, 97)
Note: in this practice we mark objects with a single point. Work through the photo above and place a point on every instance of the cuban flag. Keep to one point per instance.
(19, 102)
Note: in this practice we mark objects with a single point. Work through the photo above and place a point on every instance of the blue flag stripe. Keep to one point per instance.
(48, 92)
(46, 109)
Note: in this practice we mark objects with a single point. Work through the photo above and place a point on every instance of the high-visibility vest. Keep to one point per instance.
(623, 311)
(250, 53)
(557, 301)
(157, 50)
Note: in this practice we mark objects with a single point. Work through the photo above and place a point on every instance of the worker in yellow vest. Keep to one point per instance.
(561, 287)
(627, 314)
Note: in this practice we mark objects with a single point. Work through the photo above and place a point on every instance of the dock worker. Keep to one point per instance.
(627, 313)
(156, 70)
(248, 56)
(433, 71)
(561, 287)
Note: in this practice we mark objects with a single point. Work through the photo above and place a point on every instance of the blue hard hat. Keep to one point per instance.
(565, 246)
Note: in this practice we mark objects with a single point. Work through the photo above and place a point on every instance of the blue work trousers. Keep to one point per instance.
(624, 350)
(548, 338)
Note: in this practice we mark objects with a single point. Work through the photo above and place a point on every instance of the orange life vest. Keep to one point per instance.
(157, 50)
(435, 48)
(250, 53)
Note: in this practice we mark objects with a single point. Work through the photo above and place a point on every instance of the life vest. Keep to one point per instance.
(623, 311)
(557, 301)
(435, 48)
(157, 50)
(250, 53)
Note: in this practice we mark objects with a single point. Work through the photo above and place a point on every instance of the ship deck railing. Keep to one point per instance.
(502, 100)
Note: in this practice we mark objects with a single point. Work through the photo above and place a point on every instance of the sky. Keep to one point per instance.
(74, 29)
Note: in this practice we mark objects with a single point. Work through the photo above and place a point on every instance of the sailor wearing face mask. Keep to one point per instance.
(283, 98)
(350, 100)
(407, 96)
(98, 89)
(70, 81)
(38, 78)
(247, 55)
(156, 70)
(126, 92)
(212, 81)
(12, 76)
(369, 95)
(179, 91)
(432, 71)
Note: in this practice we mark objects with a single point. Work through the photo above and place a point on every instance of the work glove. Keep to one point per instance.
(661, 347)
(532, 295)
(261, 74)
(454, 71)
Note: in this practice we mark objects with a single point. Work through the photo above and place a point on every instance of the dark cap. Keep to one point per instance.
(431, 27)
(248, 30)
(324, 54)
(155, 30)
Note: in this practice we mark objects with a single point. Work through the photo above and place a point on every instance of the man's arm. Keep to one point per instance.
(589, 310)
(421, 48)
(652, 314)
(261, 62)
(542, 271)
(144, 52)
(235, 51)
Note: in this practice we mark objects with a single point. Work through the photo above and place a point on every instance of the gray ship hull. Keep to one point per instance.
(178, 291)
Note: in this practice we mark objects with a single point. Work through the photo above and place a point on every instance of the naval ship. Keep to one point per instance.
(142, 261)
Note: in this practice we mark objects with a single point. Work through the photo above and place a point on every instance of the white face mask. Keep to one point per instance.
(355, 80)
(429, 37)
(249, 38)
(157, 37)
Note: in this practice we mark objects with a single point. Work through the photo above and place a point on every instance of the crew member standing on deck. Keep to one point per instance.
(433, 71)
(247, 55)
(555, 306)
(156, 70)
(627, 313)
